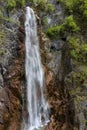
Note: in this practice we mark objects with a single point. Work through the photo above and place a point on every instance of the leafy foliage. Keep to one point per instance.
(68, 26)
(20, 3)
(49, 8)
(53, 32)
(2, 37)
(45, 21)
(15, 3)
(42, 4)
(77, 50)
(11, 4)
(2, 51)
(76, 7)
(1, 14)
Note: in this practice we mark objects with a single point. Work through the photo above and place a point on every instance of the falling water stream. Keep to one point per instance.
(36, 103)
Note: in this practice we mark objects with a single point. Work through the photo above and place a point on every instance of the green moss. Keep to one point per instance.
(68, 4)
(83, 51)
(45, 21)
(74, 54)
(83, 68)
(11, 21)
(2, 37)
(77, 49)
(50, 8)
(1, 14)
(69, 25)
(78, 8)
(20, 3)
(15, 3)
(2, 51)
(42, 4)
(73, 44)
(77, 81)
(53, 32)
(78, 102)
(11, 4)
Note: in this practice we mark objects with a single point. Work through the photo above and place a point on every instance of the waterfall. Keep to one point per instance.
(36, 103)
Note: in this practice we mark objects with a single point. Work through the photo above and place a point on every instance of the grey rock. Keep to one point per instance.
(1, 81)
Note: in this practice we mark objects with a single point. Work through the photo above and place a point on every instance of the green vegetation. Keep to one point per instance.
(68, 26)
(44, 6)
(15, 3)
(77, 50)
(78, 8)
(2, 42)
(49, 8)
(78, 103)
(2, 51)
(20, 3)
(11, 4)
(1, 14)
(53, 32)
(45, 21)
(41, 4)
(73, 44)
(80, 4)
(2, 37)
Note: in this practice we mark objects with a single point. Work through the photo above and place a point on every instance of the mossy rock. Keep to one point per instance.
(2, 37)
(77, 49)
(50, 8)
(68, 26)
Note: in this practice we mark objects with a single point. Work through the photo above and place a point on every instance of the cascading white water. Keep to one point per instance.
(36, 103)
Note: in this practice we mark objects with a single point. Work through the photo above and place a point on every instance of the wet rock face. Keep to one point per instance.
(61, 115)
(57, 98)
(11, 71)
(65, 113)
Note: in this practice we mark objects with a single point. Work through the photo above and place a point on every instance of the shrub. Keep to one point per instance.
(68, 4)
(73, 44)
(1, 14)
(49, 8)
(53, 32)
(70, 24)
(77, 8)
(77, 50)
(20, 3)
(83, 52)
(11, 4)
(2, 51)
(2, 36)
(42, 4)
(45, 21)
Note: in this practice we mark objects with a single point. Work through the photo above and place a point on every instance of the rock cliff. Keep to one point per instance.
(63, 48)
